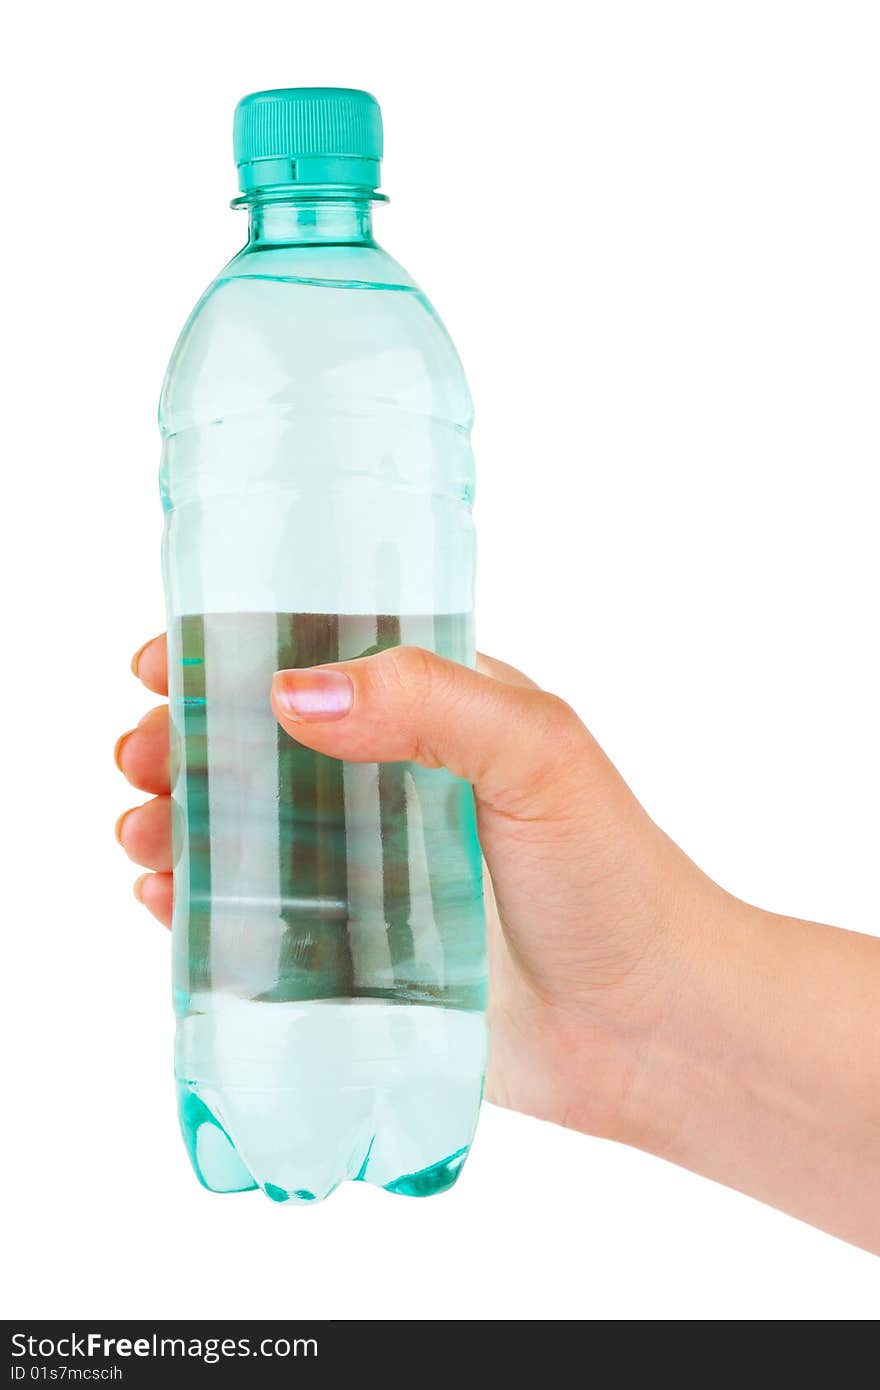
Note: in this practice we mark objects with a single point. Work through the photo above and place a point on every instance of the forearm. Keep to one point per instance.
(765, 1074)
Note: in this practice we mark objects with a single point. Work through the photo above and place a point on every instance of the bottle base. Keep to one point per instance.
(298, 1098)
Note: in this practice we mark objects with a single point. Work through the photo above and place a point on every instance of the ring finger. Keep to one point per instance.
(145, 834)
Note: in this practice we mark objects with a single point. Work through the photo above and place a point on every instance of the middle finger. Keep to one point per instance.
(142, 754)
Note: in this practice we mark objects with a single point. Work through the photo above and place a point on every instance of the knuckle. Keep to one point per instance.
(559, 718)
(411, 669)
(563, 738)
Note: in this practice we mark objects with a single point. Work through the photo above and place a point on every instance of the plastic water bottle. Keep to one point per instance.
(317, 481)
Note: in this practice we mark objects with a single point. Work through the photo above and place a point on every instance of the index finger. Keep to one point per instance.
(150, 664)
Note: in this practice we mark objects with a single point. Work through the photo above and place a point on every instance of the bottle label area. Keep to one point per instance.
(299, 877)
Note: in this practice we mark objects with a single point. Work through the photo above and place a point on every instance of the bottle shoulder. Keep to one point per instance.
(341, 324)
(340, 264)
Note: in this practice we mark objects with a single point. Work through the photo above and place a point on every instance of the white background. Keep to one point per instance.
(653, 231)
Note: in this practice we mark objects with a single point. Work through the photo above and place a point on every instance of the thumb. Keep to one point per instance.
(519, 746)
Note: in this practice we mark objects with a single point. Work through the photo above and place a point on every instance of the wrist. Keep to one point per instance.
(666, 1027)
(698, 1047)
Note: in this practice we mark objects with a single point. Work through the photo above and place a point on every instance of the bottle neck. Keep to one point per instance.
(303, 221)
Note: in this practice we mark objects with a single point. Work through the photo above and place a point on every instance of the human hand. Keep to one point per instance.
(576, 943)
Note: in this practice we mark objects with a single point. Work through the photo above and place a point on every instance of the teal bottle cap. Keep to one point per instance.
(312, 137)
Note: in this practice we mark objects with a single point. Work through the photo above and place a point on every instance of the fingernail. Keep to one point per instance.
(118, 827)
(137, 888)
(314, 696)
(136, 659)
(117, 751)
